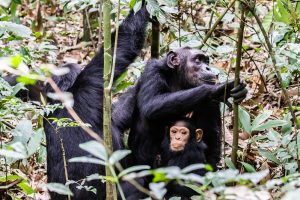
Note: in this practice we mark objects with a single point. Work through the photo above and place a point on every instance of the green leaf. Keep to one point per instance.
(86, 159)
(192, 167)
(133, 169)
(9, 178)
(229, 163)
(158, 189)
(244, 118)
(281, 14)
(248, 167)
(17, 88)
(132, 3)
(35, 142)
(270, 124)
(23, 131)
(118, 155)
(269, 155)
(16, 29)
(26, 188)
(26, 80)
(261, 118)
(195, 188)
(59, 188)
(137, 6)
(95, 148)
(268, 20)
(15, 61)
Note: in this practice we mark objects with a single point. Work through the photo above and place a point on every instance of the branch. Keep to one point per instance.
(236, 82)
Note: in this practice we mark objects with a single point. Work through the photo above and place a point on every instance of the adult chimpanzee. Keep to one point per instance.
(174, 86)
(34, 92)
(182, 146)
(88, 97)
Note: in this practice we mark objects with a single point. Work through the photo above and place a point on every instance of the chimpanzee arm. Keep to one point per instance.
(130, 43)
(155, 103)
(123, 109)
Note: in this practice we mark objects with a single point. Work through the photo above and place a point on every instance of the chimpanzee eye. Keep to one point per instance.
(198, 59)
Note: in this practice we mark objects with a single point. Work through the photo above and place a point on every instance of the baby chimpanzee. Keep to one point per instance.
(182, 146)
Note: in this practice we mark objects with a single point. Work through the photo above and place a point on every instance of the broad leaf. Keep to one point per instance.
(59, 188)
(270, 124)
(95, 148)
(118, 155)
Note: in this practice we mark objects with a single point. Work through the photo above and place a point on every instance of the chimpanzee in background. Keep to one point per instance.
(88, 98)
(34, 92)
(172, 87)
(182, 146)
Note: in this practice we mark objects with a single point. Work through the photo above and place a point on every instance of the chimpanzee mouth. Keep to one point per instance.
(209, 81)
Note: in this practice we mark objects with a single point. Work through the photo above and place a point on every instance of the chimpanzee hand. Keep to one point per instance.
(223, 91)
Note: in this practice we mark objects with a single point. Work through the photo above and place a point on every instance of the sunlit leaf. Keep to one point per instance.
(59, 188)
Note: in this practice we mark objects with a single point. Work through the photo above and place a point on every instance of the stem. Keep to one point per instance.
(100, 24)
(216, 24)
(155, 39)
(110, 186)
(236, 82)
(277, 71)
(118, 182)
(64, 160)
(115, 49)
(89, 26)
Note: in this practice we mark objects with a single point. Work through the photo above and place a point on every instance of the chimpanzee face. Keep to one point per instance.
(180, 135)
(193, 66)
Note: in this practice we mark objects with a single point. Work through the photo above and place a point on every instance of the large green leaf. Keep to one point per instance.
(269, 155)
(95, 148)
(270, 124)
(17, 29)
(281, 14)
(261, 118)
(118, 155)
(59, 188)
(244, 118)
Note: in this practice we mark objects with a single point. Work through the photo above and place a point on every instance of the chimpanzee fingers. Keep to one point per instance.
(239, 100)
(228, 104)
(239, 94)
(240, 86)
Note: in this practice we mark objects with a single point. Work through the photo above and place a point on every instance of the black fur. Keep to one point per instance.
(193, 153)
(88, 97)
(34, 92)
(164, 94)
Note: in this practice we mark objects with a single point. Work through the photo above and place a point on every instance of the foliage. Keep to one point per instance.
(269, 150)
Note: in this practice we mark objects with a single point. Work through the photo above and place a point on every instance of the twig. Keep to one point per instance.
(73, 113)
(216, 24)
(112, 71)
(89, 26)
(212, 14)
(100, 24)
(236, 82)
(15, 182)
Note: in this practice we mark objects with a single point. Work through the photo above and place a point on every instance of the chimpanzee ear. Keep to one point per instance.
(173, 60)
(199, 134)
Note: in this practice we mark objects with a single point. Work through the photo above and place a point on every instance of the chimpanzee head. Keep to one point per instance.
(192, 67)
(182, 145)
(183, 132)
